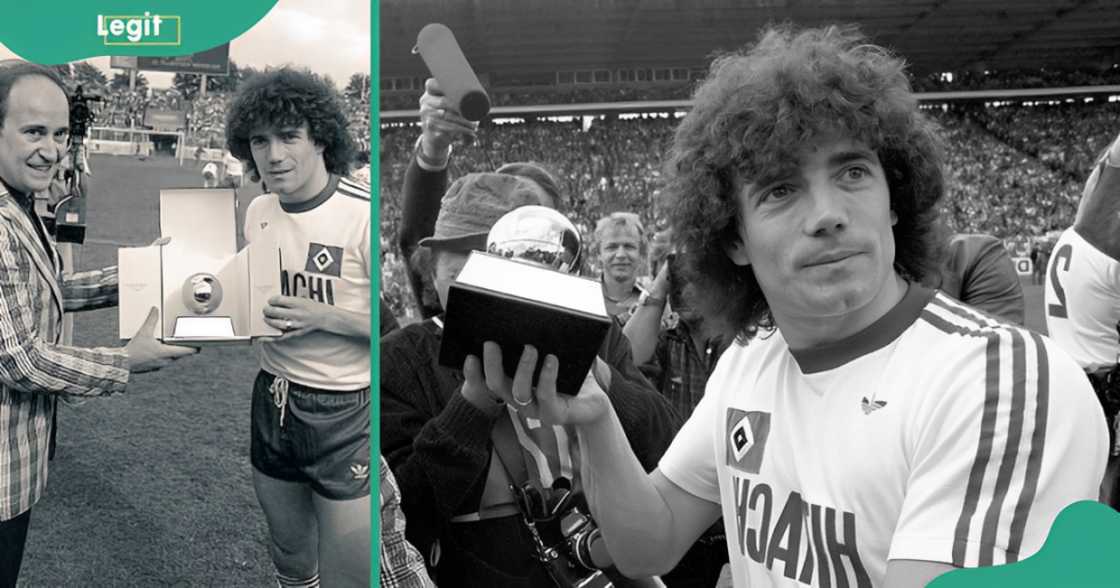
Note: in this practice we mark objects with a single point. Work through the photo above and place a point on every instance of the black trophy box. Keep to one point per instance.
(514, 304)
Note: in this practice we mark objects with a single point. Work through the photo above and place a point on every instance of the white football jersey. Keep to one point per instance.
(325, 257)
(935, 434)
(1083, 302)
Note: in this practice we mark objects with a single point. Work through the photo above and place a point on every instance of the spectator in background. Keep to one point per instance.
(1036, 271)
(979, 272)
(620, 244)
(426, 180)
(234, 170)
(677, 359)
(210, 175)
(1083, 297)
(361, 167)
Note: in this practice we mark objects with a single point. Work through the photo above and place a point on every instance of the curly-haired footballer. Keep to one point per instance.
(873, 431)
(310, 415)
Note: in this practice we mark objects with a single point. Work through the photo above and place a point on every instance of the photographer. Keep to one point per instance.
(439, 426)
(35, 368)
(74, 164)
(427, 178)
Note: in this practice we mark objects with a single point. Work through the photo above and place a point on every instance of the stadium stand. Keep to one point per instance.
(1015, 170)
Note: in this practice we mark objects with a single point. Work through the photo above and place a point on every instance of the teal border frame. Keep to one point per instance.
(375, 285)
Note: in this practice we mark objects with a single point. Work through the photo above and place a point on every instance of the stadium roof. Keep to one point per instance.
(933, 35)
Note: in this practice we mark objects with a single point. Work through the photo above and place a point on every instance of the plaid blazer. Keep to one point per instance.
(402, 566)
(35, 368)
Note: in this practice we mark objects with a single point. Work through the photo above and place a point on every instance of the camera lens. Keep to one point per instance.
(591, 550)
(572, 523)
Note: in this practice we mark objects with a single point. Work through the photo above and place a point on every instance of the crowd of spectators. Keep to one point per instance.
(1067, 137)
(205, 115)
(561, 95)
(122, 109)
(997, 189)
(206, 119)
(625, 92)
(1017, 79)
(1015, 172)
(357, 112)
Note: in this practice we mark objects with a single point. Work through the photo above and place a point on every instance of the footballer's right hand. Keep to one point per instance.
(587, 407)
(147, 354)
(539, 400)
(441, 123)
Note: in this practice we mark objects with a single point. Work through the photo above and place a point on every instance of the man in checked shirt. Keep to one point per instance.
(402, 566)
(35, 369)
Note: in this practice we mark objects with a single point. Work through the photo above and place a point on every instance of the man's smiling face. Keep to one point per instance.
(34, 135)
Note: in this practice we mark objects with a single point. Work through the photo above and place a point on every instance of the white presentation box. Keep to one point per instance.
(207, 292)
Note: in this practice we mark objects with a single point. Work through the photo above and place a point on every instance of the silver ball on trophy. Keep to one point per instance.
(202, 293)
(539, 235)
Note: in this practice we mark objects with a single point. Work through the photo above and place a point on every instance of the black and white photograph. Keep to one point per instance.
(770, 293)
(185, 287)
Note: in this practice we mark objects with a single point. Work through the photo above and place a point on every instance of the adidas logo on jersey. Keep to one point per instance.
(360, 471)
(870, 406)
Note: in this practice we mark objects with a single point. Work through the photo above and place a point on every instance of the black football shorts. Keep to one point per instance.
(312, 436)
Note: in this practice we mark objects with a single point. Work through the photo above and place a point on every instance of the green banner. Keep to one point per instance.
(1079, 551)
(47, 32)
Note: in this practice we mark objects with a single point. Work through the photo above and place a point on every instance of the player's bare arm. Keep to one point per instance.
(910, 573)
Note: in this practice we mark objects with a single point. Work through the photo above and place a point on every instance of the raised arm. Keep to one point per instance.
(644, 326)
(426, 178)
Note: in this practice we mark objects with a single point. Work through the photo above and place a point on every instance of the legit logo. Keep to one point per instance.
(149, 29)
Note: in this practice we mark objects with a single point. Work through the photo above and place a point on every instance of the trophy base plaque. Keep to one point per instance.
(203, 327)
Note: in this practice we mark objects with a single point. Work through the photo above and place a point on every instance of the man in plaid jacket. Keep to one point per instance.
(35, 368)
(402, 566)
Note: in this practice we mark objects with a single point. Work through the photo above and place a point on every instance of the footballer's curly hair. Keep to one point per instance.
(290, 97)
(757, 108)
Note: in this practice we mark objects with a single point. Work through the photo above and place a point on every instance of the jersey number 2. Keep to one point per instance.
(1062, 258)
